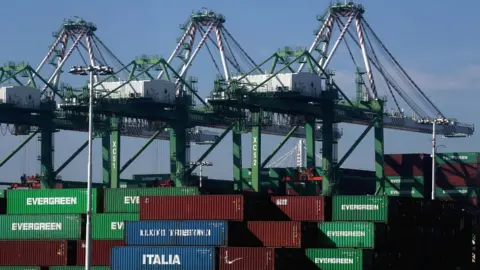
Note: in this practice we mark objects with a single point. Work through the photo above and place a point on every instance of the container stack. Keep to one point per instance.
(408, 175)
(457, 176)
(41, 227)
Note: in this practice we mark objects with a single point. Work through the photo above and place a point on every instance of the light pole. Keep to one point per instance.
(200, 165)
(91, 70)
(434, 122)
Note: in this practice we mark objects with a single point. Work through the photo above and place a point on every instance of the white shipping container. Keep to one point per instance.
(306, 84)
(158, 90)
(21, 96)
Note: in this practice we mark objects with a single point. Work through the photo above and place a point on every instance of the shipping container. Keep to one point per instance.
(110, 226)
(77, 268)
(126, 200)
(457, 158)
(30, 227)
(130, 258)
(404, 192)
(407, 164)
(274, 233)
(461, 194)
(301, 208)
(360, 208)
(49, 201)
(100, 251)
(34, 253)
(208, 207)
(231, 258)
(341, 259)
(176, 233)
(347, 234)
(460, 175)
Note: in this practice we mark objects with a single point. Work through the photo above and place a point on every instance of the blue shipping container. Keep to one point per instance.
(175, 258)
(176, 233)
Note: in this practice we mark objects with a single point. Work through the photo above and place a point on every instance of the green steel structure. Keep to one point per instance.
(251, 102)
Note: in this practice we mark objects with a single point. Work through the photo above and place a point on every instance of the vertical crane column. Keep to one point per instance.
(311, 159)
(46, 146)
(106, 158)
(178, 139)
(256, 148)
(328, 180)
(237, 159)
(379, 146)
(115, 152)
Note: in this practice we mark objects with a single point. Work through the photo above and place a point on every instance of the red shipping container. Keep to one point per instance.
(301, 208)
(464, 175)
(277, 233)
(100, 251)
(406, 164)
(246, 258)
(206, 207)
(34, 253)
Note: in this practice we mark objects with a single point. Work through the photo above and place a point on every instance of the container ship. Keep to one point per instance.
(216, 227)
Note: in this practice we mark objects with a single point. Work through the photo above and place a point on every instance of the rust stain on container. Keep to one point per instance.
(301, 208)
(206, 207)
(246, 258)
(276, 233)
(100, 251)
(33, 253)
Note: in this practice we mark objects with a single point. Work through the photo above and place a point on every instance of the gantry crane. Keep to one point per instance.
(300, 83)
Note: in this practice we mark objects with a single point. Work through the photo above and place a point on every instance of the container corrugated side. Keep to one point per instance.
(456, 158)
(276, 233)
(231, 258)
(110, 226)
(176, 233)
(33, 253)
(341, 259)
(77, 268)
(100, 251)
(126, 200)
(301, 208)
(49, 201)
(406, 165)
(464, 194)
(458, 175)
(347, 234)
(404, 192)
(129, 258)
(204, 207)
(360, 208)
(29, 227)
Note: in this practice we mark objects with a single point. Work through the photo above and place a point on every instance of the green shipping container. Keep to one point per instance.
(456, 192)
(360, 208)
(77, 268)
(457, 157)
(341, 259)
(347, 234)
(126, 200)
(110, 226)
(404, 192)
(28, 227)
(404, 182)
(49, 201)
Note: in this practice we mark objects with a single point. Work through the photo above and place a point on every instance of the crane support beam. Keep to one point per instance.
(106, 158)
(115, 153)
(140, 151)
(7, 158)
(279, 146)
(71, 158)
(354, 145)
(310, 141)
(256, 148)
(237, 159)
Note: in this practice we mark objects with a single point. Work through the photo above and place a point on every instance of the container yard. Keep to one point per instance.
(413, 211)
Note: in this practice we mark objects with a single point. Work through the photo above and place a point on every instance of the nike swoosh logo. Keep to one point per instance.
(230, 262)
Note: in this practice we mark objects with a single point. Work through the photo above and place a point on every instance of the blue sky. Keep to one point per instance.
(432, 40)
